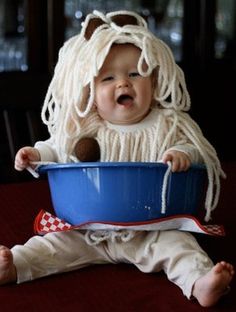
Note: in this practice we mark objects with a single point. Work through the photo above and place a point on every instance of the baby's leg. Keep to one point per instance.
(7, 268)
(210, 287)
(188, 266)
(50, 254)
(183, 260)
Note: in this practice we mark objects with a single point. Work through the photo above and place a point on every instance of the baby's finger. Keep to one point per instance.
(175, 164)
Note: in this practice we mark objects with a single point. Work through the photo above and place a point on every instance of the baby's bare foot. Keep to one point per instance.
(209, 288)
(7, 268)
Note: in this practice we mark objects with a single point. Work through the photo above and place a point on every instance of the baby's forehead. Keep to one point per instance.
(122, 54)
(124, 57)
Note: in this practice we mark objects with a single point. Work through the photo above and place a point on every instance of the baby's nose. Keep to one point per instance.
(123, 82)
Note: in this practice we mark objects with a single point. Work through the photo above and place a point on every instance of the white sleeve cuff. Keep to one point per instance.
(46, 150)
(189, 150)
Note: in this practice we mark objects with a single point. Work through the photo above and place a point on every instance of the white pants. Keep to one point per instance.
(175, 252)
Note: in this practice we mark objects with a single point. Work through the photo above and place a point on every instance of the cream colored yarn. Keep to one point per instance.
(71, 92)
(68, 107)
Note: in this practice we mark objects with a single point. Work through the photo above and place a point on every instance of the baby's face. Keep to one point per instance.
(122, 95)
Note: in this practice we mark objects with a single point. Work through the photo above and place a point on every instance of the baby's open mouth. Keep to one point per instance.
(125, 99)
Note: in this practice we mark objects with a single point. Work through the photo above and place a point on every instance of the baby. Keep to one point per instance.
(116, 82)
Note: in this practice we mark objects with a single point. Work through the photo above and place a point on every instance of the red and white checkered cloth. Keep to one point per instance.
(45, 223)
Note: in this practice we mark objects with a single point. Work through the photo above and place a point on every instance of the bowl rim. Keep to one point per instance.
(84, 165)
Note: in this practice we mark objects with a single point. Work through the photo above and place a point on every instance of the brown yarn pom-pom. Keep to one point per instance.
(87, 150)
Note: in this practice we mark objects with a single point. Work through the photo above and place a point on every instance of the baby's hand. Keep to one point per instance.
(25, 156)
(179, 160)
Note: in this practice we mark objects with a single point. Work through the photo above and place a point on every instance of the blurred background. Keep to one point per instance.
(201, 34)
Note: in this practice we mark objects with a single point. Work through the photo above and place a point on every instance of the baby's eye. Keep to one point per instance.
(134, 74)
(108, 78)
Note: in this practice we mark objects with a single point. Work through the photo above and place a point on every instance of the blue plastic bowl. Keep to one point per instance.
(122, 192)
